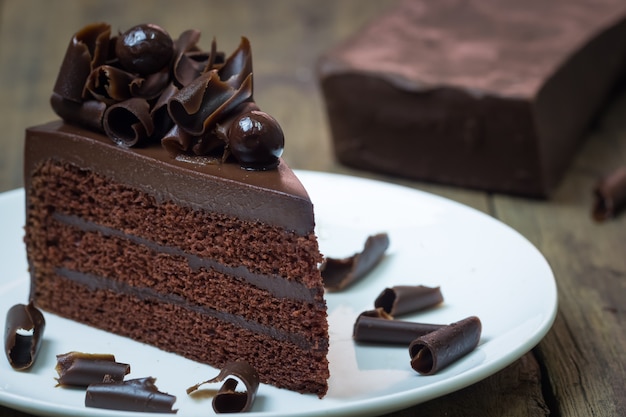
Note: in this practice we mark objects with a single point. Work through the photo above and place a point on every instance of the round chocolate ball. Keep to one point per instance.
(144, 49)
(256, 140)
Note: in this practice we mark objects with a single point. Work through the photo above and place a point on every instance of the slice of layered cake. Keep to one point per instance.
(159, 208)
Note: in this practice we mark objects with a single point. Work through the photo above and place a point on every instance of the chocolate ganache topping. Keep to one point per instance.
(141, 87)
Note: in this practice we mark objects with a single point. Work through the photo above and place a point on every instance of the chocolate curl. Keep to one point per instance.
(88, 49)
(132, 395)
(403, 299)
(238, 66)
(189, 61)
(151, 86)
(83, 369)
(201, 104)
(436, 350)
(386, 331)
(340, 273)
(177, 141)
(610, 195)
(227, 400)
(88, 113)
(110, 84)
(128, 123)
(23, 335)
(159, 115)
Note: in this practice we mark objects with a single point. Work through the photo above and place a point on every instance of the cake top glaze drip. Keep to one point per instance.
(141, 86)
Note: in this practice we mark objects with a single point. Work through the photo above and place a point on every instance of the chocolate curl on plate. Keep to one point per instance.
(610, 195)
(83, 369)
(88, 113)
(436, 350)
(23, 335)
(88, 49)
(132, 395)
(128, 123)
(227, 400)
(340, 273)
(403, 299)
(388, 331)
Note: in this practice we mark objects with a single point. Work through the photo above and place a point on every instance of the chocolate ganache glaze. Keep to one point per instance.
(141, 87)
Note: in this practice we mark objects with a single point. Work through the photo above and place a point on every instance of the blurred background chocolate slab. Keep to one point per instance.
(492, 95)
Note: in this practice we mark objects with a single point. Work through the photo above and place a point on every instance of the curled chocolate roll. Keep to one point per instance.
(227, 400)
(82, 369)
(88, 113)
(379, 330)
(436, 350)
(132, 395)
(609, 195)
(403, 299)
(88, 49)
(129, 123)
(23, 335)
(340, 273)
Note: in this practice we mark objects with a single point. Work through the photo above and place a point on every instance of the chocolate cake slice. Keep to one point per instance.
(488, 94)
(167, 238)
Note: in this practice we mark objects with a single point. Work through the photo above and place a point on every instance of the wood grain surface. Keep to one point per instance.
(579, 369)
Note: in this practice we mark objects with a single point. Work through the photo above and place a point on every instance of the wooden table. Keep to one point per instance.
(579, 369)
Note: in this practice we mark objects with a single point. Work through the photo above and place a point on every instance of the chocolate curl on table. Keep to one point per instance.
(403, 299)
(610, 195)
(82, 369)
(129, 123)
(23, 335)
(133, 395)
(372, 329)
(436, 350)
(227, 400)
(340, 273)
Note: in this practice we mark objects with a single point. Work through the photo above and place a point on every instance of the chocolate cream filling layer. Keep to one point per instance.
(275, 285)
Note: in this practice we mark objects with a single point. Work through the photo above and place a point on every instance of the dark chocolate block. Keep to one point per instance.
(494, 95)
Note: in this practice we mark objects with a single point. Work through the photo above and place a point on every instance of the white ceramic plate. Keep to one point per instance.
(484, 268)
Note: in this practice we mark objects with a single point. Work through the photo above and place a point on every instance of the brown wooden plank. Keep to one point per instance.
(584, 353)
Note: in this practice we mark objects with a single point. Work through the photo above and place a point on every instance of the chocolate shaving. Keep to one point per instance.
(132, 395)
(128, 123)
(87, 50)
(404, 299)
(610, 195)
(340, 273)
(23, 335)
(82, 369)
(387, 331)
(88, 114)
(436, 350)
(227, 400)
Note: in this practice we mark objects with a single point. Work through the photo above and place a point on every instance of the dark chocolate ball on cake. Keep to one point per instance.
(256, 140)
(144, 49)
